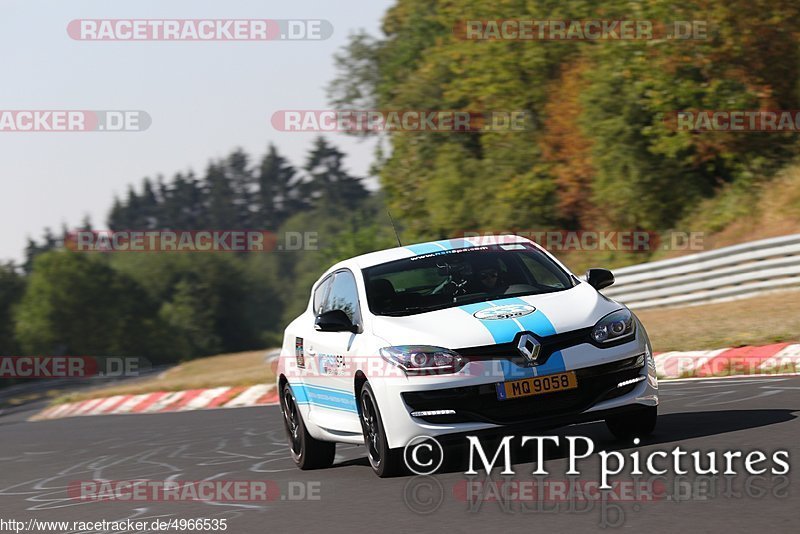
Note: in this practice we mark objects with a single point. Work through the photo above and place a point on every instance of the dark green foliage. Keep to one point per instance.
(173, 306)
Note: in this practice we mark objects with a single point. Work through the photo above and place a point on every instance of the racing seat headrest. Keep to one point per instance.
(381, 290)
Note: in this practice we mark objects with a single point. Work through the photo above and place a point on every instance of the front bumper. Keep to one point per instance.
(479, 404)
(477, 408)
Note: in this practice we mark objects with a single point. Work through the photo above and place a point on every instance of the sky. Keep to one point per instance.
(205, 99)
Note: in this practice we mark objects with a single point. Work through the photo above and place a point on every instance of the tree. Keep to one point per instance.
(12, 287)
(189, 316)
(242, 185)
(34, 249)
(149, 207)
(278, 194)
(597, 135)
(76, 304)
(220, 199)
(358, 74)
(567, 149)
(133, 218)
(117, 217)
(186, 204)
(329, 186)
(181, 306)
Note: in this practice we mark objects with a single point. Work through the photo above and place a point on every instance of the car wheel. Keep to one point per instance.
(307, 452)
(385, 462)
(635, 424)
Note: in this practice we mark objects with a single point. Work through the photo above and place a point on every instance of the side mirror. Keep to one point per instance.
(334, 321)
(599, 278)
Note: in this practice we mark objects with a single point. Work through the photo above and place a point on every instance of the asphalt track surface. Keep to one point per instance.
(39, 460)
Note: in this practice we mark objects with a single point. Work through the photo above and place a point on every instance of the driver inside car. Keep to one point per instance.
(490, 278)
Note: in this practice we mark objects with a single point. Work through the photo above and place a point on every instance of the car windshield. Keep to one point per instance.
(461, 276)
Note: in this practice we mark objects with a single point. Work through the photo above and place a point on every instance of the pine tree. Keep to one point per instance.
(149, 207)
(329, 186)
(117, 217)
(221, 206)
(34, 249)
(278, 194)
(133, 216)
(242, 183)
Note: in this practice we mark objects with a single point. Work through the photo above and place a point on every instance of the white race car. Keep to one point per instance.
(457, 337)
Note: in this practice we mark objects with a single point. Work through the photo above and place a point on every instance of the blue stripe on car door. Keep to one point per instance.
(335, 399)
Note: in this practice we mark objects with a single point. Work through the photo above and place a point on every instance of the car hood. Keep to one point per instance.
(497, 321)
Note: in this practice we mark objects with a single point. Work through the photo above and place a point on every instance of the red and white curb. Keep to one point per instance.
(778, 358)
(166, 401)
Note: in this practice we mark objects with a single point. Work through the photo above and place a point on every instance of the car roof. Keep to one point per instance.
(407, 251)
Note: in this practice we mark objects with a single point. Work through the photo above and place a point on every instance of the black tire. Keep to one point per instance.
(384, 461)
(307, 452)
(634, 424)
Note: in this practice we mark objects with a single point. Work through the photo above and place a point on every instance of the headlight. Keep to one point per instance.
(422, 359)
(613, 327)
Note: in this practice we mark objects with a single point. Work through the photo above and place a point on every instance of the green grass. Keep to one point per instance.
(238, 369)
(754, 321)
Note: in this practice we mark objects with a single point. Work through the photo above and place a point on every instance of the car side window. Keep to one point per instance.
(320, 293)
(344, 296)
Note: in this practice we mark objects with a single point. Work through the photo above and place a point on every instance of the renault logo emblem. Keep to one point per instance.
(529, 347)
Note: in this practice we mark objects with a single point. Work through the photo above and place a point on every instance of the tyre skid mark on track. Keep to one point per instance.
(162, 460)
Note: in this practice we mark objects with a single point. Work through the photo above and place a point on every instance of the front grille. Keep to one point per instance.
(508, 351)
(480, 404)
(550, 345)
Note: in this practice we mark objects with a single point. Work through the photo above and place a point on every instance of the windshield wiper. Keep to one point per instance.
(404, 311)
(417, 309)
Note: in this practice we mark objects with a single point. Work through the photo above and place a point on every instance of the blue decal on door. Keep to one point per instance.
(334, 399)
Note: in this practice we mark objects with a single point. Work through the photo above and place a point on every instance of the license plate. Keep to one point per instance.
(536, 385)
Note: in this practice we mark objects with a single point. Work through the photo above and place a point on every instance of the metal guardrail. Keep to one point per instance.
(727, 273)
